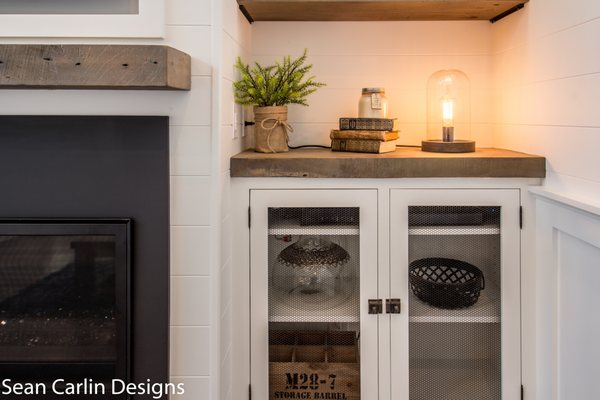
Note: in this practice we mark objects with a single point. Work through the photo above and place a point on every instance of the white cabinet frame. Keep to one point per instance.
(149, 22)
(261, 201)
(509, 201)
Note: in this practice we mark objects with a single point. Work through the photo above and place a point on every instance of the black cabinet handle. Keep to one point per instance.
(375, 306)
(392, 306)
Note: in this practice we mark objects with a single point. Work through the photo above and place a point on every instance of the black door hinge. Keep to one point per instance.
(375, 306)
(249, 218)
(522, 392)
(521, 217)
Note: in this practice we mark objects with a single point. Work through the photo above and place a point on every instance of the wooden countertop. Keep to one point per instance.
(403, 163)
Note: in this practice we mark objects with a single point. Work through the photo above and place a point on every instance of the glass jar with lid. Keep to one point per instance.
(372, 103)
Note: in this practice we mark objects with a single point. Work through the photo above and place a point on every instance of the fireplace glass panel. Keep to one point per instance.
(62, 304)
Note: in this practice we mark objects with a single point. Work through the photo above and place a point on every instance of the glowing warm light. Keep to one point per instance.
(448, 112)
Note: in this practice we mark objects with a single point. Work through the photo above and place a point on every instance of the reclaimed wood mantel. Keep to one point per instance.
(403, 163)
(146, 67)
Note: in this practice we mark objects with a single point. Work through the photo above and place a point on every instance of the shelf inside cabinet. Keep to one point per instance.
(486, 310)
(344, 309)
(294, 228)
(377, 10)
(454, 230)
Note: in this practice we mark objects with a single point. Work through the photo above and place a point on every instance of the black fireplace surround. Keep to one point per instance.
(84, 249)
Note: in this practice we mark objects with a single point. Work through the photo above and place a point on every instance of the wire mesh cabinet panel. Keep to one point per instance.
(313, 269)
(455, 265)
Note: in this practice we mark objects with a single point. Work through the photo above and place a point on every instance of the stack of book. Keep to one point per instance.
(364, 135)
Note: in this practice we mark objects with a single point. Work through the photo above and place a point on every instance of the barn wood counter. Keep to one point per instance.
(403, 163)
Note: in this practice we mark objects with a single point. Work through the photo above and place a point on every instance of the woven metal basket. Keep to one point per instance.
(445, 282)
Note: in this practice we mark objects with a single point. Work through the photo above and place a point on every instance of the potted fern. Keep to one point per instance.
(270, 89)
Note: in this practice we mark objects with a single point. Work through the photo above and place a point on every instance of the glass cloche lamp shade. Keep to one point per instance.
(448, 113)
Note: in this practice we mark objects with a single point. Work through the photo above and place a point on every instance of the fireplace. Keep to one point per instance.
(84, 249)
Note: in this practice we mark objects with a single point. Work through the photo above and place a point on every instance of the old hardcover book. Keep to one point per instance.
(363, 146)
(367, 124)
(384, 136)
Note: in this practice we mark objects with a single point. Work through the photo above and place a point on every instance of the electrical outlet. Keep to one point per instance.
(236, 122)
(242, 120)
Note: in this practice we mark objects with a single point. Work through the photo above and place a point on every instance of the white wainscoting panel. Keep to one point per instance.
(568, 321)
(579, 323)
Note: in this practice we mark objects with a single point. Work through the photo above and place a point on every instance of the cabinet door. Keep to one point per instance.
(313, 268)
(455, 265)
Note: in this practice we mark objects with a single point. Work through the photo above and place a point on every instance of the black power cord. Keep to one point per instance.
(328, 147)
(309, 145)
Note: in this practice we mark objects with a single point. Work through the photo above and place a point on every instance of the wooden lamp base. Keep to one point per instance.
(457, 146)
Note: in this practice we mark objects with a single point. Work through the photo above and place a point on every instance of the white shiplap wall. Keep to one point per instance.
(399, 56)
(546, 74)
(200, 28)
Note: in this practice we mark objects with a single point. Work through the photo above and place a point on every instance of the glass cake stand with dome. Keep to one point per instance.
(310, 271)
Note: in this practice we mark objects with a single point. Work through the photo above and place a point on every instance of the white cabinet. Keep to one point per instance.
(328, 266)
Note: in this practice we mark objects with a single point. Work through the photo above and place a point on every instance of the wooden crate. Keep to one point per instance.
(314, 365)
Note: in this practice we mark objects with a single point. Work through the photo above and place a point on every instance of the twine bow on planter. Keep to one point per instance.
(276, 123)
(271, 130)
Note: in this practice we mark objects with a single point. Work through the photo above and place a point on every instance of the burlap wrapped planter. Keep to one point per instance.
(271, 129)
